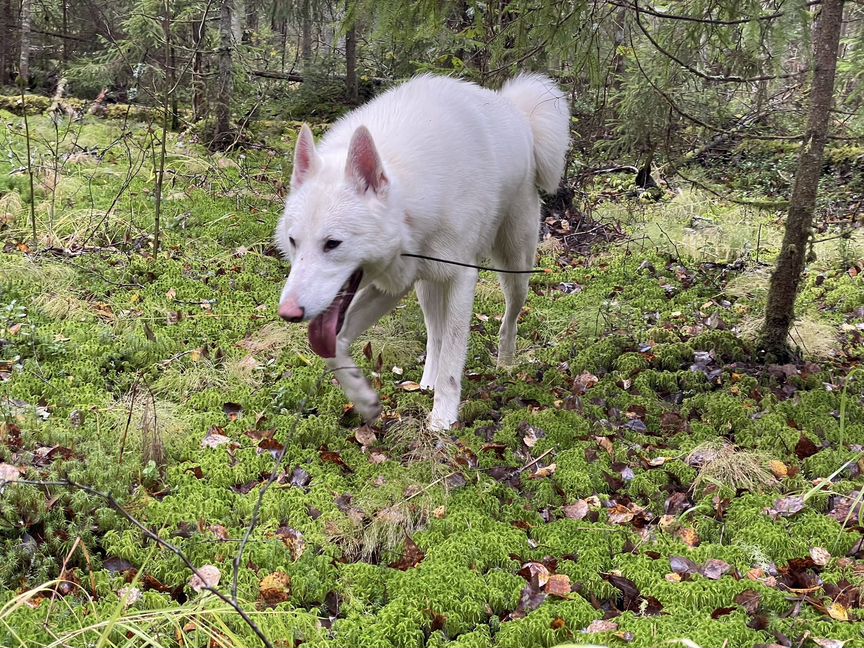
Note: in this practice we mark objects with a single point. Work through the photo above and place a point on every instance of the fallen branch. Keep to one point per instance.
(281, 76)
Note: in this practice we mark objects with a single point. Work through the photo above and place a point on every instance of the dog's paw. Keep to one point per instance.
(439, 423)
(505, 362)
(369, 408)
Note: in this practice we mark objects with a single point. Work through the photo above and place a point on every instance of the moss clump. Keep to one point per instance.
(847, 296)
(727, 347)
(542, 628)
(658, 383)
(576, 477)
(783, 539)
(723, 412)
(701, 629)
(600, 357)
(631, 363)
(672, 357)
(32, 104)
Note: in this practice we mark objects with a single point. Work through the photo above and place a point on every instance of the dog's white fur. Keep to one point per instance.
(438, 167)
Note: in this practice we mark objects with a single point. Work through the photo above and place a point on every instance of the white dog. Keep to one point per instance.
(435, 167)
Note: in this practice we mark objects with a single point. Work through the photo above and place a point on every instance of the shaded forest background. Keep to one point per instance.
(655, 469)
(654, 88)
(646, 80)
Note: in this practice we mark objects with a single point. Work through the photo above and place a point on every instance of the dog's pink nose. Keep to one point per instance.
(291, 311)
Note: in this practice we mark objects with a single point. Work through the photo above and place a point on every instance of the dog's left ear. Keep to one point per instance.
(306, 160)
(363, 167)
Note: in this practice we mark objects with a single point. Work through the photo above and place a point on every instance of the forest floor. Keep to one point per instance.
(637, 478)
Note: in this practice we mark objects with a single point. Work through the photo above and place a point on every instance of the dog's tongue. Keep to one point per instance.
(322, 331)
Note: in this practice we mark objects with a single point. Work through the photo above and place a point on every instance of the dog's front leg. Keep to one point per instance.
(367, 308)
(459, 300)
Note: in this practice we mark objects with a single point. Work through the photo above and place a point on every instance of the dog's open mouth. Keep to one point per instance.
(324, 328)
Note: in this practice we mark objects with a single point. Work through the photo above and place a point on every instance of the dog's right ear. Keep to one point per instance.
(306, 160)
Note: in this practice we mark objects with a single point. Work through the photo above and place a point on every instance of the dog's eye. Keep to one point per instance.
(331, 244)
(292, 241)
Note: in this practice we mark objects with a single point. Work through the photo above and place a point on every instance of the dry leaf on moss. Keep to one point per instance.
(558, 585)
(206, 577)
(275, 588)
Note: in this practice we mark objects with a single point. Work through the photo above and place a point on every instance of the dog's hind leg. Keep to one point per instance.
(515, 247)
(431, 297)
(515, 291)
(367, 308)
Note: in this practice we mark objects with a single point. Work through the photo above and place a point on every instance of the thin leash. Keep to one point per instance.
(478, 267)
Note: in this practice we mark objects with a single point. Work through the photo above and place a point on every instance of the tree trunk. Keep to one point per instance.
(238, 20)
(251, 20)
(24, 56)
(170, 62)
(65, 30)
(780, 310)
(284, 31)
(306, 36)
(351, 84)
(198, 85)
(7, 21)
(222, 136)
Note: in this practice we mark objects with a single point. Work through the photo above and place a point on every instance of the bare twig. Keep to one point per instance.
(708, 77)
(680, 111)
(696, 19)
(29, 169)
(531, 463)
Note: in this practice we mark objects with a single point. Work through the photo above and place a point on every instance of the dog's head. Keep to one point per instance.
(336, 225)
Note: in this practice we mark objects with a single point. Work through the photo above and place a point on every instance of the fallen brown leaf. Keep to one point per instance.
(558, 585)
(601, 625)
(275, 588)
(545, 472)
(716, 569)
(837, 611)
(576, 511)
(413, 556)
(9, 473)
(778, 469)
(206, 577)
(820, 556)
(535, 573)
(365, 436)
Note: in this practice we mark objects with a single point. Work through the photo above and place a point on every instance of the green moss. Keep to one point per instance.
(701, 629)
(538, 628)
(631, 363)
(600, 357)
(847, 296)
(726, 346)
(660, 383)
(94, 341)
(723, 412)
(674, 356)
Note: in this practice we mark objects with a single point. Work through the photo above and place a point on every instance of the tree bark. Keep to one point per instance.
(198, 85)
(780, 309)
(7, 21)
(24, 51)
(65, 30)
(238, 20)
(251, 20)
(171, 101)
(222, 136)
(351, 85)
(306, 36)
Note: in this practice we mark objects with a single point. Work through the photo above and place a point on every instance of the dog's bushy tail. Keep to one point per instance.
(549, 115)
